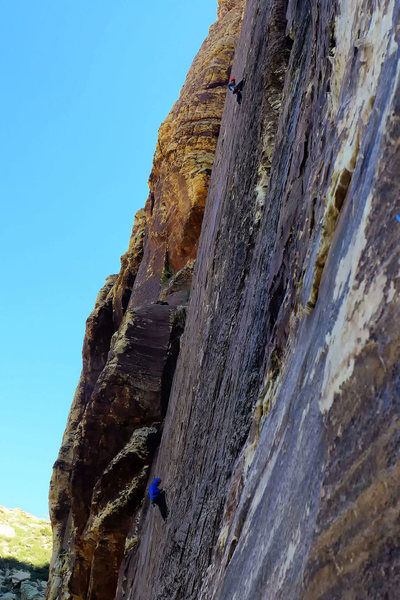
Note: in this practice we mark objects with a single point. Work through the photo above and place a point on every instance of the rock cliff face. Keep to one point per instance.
(279, 449)
(132, 339)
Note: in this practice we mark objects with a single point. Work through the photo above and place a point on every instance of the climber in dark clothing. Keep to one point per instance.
(236, 88)
(157, 496)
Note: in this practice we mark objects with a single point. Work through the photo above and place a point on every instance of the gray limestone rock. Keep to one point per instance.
(29, 591)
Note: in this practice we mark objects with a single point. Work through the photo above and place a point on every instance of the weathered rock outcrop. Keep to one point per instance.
(184, 158)
(132, 339)
(280, 450)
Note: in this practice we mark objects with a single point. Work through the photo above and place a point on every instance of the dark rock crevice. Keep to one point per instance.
(177, 328)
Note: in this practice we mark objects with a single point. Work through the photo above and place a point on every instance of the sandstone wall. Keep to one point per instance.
(279, 447)
(132, 339)
(280, 450)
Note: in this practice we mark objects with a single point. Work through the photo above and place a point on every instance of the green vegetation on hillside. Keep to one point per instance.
(25, 542)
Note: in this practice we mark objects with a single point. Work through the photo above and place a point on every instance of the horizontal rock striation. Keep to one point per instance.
(132, 340)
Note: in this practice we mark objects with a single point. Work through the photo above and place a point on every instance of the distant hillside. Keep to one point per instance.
(25, 542)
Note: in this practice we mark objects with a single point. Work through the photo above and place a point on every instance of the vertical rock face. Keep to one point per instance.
(132, 339)
(280, 451)
(184, 157)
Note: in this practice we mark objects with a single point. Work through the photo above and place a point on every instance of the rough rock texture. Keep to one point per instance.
(132, 340)
(280, 450)
(184, 158)
(280, 445)
(16, 585)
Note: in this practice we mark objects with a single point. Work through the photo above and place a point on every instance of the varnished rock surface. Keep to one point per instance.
(133, 338)
(280, 447)
(100, 476)
(280, 451)
(184, 158)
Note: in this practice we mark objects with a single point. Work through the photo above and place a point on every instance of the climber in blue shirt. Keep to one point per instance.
(154, 490)
(157, 497)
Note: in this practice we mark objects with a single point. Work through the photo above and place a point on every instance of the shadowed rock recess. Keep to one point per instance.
(276, 431)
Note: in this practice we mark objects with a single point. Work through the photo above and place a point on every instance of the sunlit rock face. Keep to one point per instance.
(184, 158)
(132, 339)
(279, 449)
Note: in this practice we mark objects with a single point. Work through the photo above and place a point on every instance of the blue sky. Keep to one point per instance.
(85, 86)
